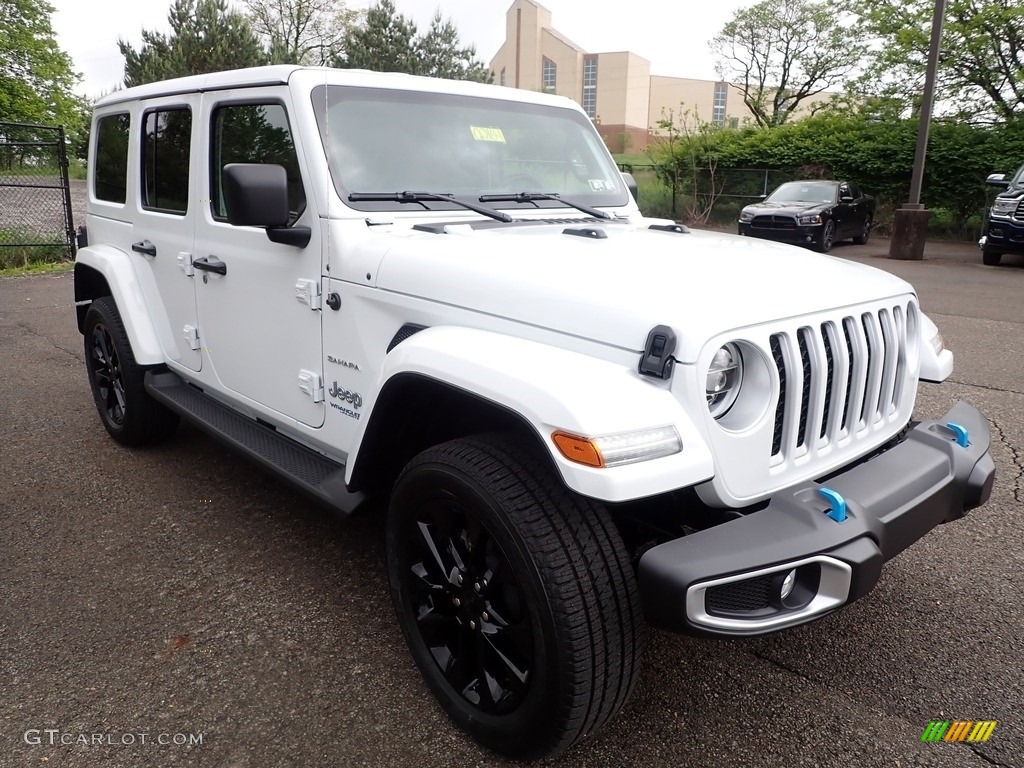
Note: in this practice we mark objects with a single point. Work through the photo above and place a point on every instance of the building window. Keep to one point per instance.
(550, 75)
(501, 77)
(590, 87)
(718, 109)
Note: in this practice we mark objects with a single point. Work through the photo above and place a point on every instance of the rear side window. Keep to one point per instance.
(254, 133)
(167, 138)
(110, 179)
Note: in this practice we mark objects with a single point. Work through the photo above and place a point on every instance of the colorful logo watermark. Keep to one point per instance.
(959, 730)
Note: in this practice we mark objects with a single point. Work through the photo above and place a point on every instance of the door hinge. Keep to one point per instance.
(185, 263)
(312, 383)
(308, 292)
(191, 334)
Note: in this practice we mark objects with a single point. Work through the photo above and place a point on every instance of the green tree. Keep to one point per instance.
(205, 36)
(36, 77)
(780, 53)
(388, 42)
(981, 66)
(384, 43)
(439, 54)
(302, 31)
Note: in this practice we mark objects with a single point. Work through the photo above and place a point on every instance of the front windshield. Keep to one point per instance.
(804, 192)
(385, 141)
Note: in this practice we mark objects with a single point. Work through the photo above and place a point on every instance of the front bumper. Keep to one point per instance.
(727, 580)
(1004, 236)
(794, 233)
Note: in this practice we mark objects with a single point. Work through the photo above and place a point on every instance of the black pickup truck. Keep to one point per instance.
(1004, 228)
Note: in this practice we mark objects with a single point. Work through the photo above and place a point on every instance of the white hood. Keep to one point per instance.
(615, 289)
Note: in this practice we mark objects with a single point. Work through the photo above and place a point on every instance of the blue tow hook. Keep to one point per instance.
(836, 503)
(960, 432)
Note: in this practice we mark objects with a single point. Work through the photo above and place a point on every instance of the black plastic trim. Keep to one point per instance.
(309, 471)
(892, 501)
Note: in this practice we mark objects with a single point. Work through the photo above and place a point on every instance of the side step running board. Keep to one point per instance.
(318, 476)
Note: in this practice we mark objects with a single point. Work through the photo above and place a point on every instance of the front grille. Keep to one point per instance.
(1018, 214)
(774, 222)
(747, 596)
(857, 360)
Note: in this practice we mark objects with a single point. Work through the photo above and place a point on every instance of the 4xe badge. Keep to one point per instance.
(354, 399)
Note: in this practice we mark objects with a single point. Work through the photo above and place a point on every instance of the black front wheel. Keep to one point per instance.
(129, 414)
(515, 596)
(827, 237)
(990, 258)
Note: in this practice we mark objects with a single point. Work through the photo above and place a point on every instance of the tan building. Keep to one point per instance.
(616, 89)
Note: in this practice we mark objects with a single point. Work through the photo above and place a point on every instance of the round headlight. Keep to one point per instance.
(723, 380)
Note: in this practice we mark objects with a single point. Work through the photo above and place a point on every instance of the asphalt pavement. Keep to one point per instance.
(153, 599)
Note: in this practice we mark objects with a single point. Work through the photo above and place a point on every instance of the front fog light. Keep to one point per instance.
(787, 585)
(722, 384)
(616, 450)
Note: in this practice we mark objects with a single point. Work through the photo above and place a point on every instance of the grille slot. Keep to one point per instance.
(837, 378)
(747, 596)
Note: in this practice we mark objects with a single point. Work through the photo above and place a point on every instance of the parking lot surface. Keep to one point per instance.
(177, 594)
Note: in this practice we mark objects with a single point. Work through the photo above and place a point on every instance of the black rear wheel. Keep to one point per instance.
(865, 233)
(129, 414)
(515, 596)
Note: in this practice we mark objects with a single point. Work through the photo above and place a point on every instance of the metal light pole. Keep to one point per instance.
(910, 223)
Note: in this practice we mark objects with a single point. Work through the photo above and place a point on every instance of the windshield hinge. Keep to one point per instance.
(656, 360)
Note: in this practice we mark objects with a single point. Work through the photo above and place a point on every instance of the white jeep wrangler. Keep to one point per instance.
(443, 293)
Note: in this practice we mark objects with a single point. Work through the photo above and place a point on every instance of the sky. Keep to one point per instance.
(673, 36)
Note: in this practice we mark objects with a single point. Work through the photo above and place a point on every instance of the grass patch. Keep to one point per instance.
(30, 248)
(38, 269)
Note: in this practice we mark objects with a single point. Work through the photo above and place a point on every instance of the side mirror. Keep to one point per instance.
(631, 185)
(997, 180)
(256, 195)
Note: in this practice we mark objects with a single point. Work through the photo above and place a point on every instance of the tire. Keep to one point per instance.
(549, 647)
(865, 235)
(129, 414)
(990, 259)
(827, 237)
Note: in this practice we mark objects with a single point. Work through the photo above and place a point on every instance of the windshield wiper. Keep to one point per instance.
(532, 197)
(422, 197)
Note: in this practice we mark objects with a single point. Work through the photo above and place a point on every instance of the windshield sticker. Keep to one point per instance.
(487, 134)
(602, 185)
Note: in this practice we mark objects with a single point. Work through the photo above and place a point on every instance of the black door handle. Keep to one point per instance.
(145, 247)
(211, 264)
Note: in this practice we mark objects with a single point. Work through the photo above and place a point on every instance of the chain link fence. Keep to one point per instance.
(732, 189)
(36, 224)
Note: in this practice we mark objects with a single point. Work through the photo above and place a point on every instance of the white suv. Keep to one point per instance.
(443, 293)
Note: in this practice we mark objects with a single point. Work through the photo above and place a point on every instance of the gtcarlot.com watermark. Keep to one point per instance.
(54, 737)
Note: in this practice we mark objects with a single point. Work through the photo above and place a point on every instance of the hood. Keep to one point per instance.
(786, 209)
(614, 289)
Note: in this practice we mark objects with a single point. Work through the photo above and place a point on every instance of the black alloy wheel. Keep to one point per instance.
(865, 233)
(827, 237)
(107, 377)
(117, 381)
(516, 597)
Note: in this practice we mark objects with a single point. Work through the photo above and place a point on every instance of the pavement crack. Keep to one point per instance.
(977, 750)
(79, 356)
(1018, 461)
(783, 665)
(989, 387)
